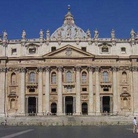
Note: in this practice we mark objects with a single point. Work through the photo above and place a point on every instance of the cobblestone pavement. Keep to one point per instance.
(67, 132)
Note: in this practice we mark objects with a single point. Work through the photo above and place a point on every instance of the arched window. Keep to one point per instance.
(54, 108)
(32, 77)
(13, 78)
(105, 76)
(53, 78)
(84, 77)
(124, 77)
(68, 77)
(84, 108)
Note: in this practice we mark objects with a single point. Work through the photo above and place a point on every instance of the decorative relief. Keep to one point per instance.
(84, 98)
(68, 51)
(13, 69)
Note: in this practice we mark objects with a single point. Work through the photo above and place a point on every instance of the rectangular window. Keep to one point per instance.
(84, 89)
(53, 49)
(53, 90)
(83, 49)
(14, 51)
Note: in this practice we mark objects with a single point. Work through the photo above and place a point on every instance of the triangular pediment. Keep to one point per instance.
(68, 51)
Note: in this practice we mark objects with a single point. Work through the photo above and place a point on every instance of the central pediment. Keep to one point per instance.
(68, 51)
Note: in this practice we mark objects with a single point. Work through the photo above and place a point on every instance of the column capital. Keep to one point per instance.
(97, 69)
(90, 68)
(22, 69)
(134, 68)
(3, 69)
(40, 69)
(60, 68)
(78, 68)
(47, 69)
(114, 69)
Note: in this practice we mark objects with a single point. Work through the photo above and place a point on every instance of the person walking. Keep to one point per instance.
(134, 125)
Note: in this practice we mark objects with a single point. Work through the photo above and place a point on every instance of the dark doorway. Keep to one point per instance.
(54, 108)
(69, 105)
(84, 108)
(32, 105)
(106, 104)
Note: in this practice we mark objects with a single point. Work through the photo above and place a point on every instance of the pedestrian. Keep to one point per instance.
(134, 125)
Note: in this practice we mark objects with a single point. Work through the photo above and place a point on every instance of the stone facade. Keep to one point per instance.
(69, 73)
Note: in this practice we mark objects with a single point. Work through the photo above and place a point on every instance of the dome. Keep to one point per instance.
(69, 30)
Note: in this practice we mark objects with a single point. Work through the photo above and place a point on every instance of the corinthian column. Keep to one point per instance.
(40, 91)
(22, 90)
(90, 109)
(97, 91)
(115, 94)
(78, 102)
(47, 89)
(59, 107)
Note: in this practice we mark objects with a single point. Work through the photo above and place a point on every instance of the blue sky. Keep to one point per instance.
(103, 15)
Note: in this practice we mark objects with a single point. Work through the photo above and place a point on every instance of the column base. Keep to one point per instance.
(91, 113)
(97, 113)
(60, 114)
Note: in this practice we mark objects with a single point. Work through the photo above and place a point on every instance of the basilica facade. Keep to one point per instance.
(69, 72)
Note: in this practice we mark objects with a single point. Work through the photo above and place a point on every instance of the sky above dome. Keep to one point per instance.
(103, 15)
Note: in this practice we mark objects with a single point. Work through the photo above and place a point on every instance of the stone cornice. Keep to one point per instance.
(106, 57)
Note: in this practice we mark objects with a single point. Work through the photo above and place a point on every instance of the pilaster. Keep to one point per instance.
(40, 91)
(97, 91)
(78, 102)
(59, 107)
(90, 107)
(47, 90)
(22, 91)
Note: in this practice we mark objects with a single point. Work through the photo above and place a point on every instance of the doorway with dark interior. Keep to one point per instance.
(69, 105)
(32, 106)
(106, 104)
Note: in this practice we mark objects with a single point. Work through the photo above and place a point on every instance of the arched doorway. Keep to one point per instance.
(69, 105)
(54, 108)
(32, 105)
(84, 108)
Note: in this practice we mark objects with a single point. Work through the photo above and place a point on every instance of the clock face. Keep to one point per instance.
(68, 51)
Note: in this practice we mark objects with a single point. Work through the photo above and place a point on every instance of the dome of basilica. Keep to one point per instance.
(69, 30)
